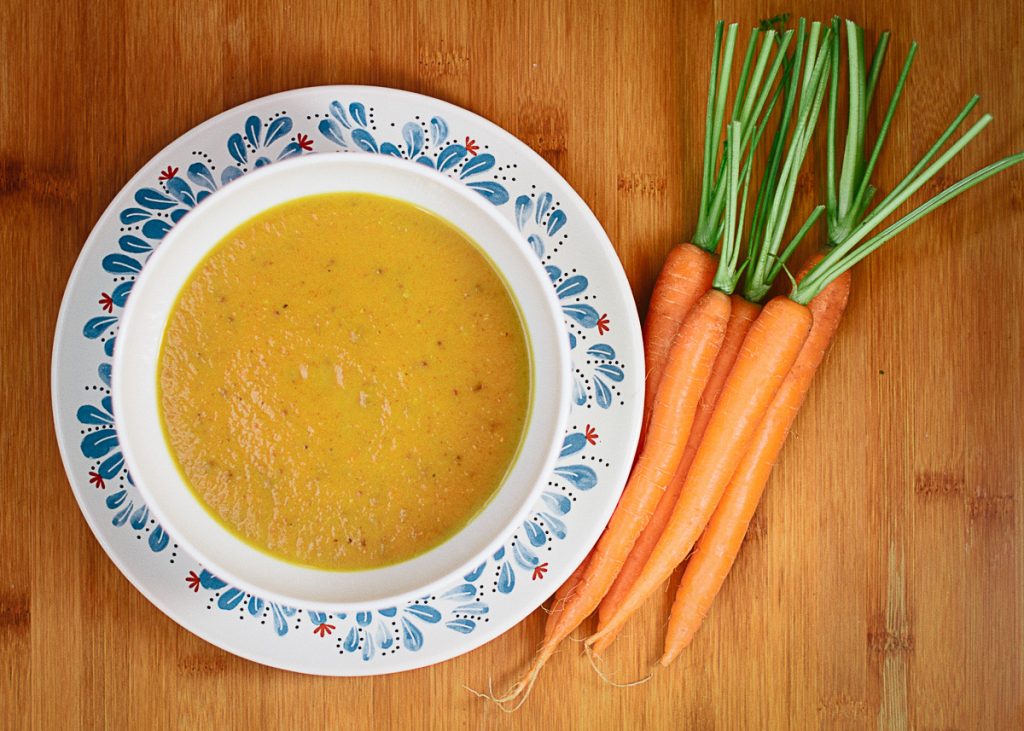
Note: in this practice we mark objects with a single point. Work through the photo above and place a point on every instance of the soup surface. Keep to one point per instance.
(345, 381)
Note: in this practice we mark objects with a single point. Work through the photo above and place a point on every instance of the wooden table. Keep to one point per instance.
(881, 582)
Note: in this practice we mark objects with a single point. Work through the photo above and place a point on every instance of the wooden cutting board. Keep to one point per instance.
(881, 582)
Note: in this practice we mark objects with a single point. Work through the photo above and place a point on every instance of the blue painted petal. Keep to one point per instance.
(462, 591)
(332, 131)
(121, 264)
(134, 245)
(277, 129)
(411, 635)
(139, 517)
(572, 286)
(384, 638)
(462, 626)
(158, 539)
(317, 617)
(202, 195)
(120, 294)
(89, 414)
(543, 205)
(557, 502)
(585, 315)
(555, 222)
(572, 341)
(131, 216)
(524, 556)
(182, 191)
(177, 214)
(602, 393)
(99, 443)
(255, 606)
(553, 272)
(573, 443)
(108, 403)
(412, 133)
(611, 372)
(237, 150)
(363, 618)
(262, 161)
(351, 643)
(601, 351)
(230, 173)
(104, 372)
(368, 647)
(438, 131)
(579, 392)
(211, 581)
(475, 573)
(358, 112)
(424, 160)
(524, 204)
(128, 476)
(477, 608)
(338, 112)
(424, 612)
(290, 150)
(199, 174)
(364, 140)
(280, 621)
(122, 517)
(506, 579)
(230, 598)
(450, 157)
(536, 244)
(109, 467)
(114, 500)
(108, 347)
(494, 192)
(534, 533)
(499, 554)
(579, 476)
(153, 199)
(389, 148)
(477, 165)
(388, 611)
(155, 228)
(555, 525)
(253, 127)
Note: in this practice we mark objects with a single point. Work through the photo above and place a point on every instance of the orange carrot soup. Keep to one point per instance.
(345, 381)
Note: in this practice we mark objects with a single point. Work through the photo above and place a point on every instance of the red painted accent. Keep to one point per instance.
(97, 481)
(106, 302)
(603, 324)
(323, 629)
(193, 581)
(304, 142)
(169, 173)
(591, 434)
(539, 571)
(472, 147)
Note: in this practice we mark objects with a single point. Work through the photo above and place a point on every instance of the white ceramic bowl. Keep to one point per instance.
(136, 400)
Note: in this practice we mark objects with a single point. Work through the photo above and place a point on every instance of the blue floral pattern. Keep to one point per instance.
(355, 127)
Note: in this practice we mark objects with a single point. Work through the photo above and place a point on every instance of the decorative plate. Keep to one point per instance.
(601, 324)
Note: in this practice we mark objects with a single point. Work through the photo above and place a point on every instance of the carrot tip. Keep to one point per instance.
(593, 664)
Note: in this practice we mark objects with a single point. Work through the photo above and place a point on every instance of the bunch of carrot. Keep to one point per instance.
(727, 373)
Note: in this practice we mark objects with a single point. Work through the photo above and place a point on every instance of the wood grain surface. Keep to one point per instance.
(881, 584)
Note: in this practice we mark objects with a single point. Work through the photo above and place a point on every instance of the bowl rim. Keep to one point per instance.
(560, 356)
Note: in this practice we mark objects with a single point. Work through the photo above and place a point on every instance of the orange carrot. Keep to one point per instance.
(686, 275)
(767, 354)
(686, 373)
(718, 546)
(742, 315)
(565, 593)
